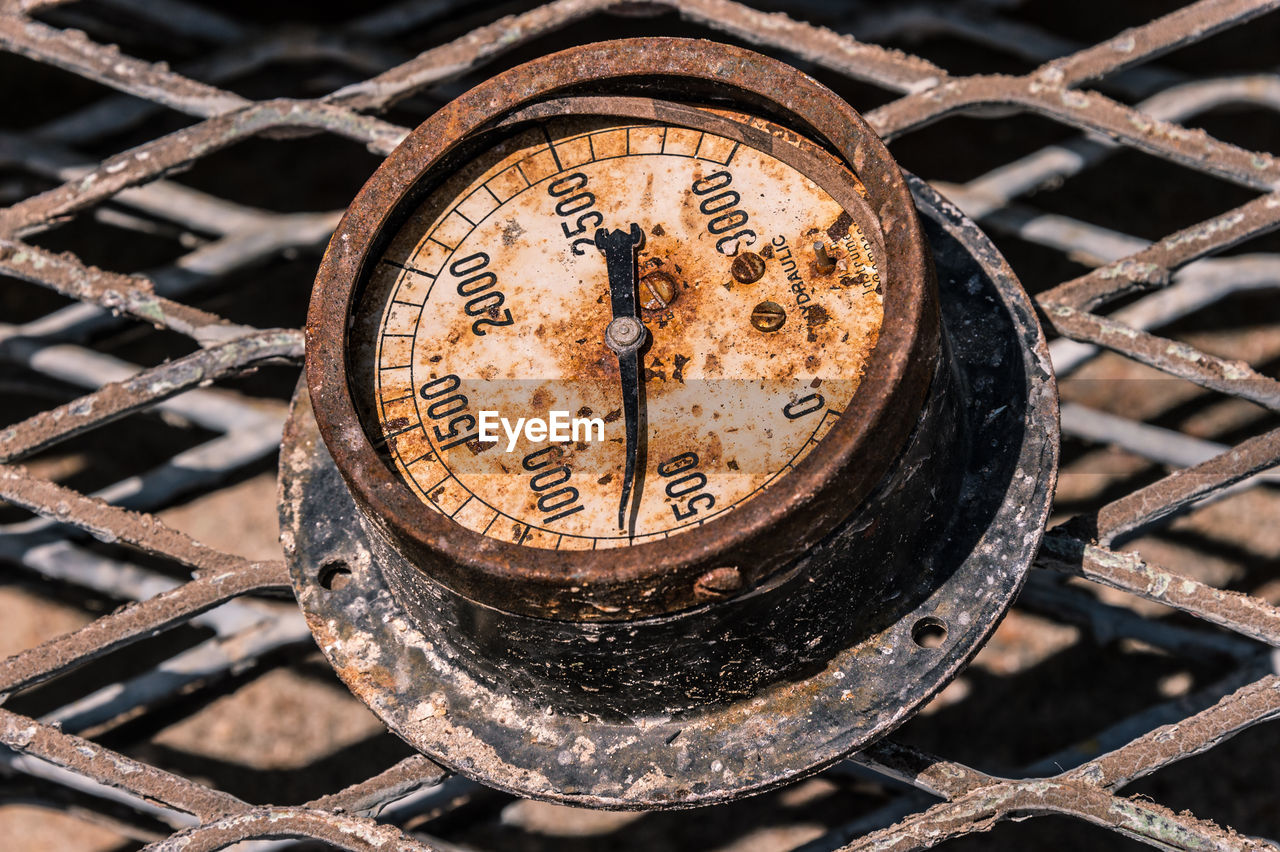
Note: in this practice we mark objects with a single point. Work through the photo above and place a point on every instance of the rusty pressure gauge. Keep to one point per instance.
(643, 459)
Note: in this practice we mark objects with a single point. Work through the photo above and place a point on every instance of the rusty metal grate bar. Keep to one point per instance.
(1160, 281)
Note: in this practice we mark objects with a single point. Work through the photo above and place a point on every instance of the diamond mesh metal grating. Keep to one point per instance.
(207, 190)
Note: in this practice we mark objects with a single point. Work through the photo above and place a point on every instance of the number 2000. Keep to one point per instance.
(479, 287)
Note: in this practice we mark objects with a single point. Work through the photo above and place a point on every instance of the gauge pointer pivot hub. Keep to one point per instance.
(625, 335)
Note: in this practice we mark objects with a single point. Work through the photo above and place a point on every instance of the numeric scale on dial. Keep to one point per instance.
(747, 463)
(729, 402)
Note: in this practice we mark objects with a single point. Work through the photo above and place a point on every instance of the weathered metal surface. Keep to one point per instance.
(348, 832)
(1240, 613)
(504, 705)
(112, 291)
(976, 802)
(1183, 487)
(147, 388)
(136, 621)
(224, 819)
(109, 523)
(242, 241)
(1152, 267)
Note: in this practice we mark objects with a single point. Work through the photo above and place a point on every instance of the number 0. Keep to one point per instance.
(804, 405)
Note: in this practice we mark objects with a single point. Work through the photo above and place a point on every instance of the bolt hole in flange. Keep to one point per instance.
(335, 576)
(929, 633)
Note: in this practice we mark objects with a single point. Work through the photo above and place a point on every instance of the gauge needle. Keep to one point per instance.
(625, 335)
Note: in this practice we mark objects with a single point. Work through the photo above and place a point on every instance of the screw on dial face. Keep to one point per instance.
(490, 298)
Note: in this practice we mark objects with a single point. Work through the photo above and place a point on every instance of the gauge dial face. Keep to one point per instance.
(478, 348)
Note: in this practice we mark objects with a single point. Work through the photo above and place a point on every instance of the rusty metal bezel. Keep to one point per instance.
(653, 577)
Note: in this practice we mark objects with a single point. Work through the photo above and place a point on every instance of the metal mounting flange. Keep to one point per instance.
(979, 536)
